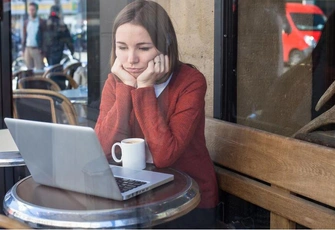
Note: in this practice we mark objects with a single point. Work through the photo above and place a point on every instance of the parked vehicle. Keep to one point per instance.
(302, 30)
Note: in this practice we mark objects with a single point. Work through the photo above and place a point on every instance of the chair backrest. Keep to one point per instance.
(63, 80)
(71, 67)
(80, 75)
(43, 105)
(8, 223)
(53, 68)
(38, 83)
(23, 73)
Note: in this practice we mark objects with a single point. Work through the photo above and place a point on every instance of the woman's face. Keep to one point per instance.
(134, 48)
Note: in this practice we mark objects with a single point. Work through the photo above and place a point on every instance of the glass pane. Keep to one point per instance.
(89, 24)
(49, 51)
(285, 72)
(305, 21)
(51, 37)
(285, 65)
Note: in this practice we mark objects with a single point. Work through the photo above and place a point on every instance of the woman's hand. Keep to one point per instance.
(156, 69)
(122, 74)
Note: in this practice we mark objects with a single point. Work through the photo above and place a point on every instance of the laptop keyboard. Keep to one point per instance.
(127, 184)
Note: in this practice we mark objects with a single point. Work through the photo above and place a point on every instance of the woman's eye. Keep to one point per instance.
(122, 47)
(145, 48)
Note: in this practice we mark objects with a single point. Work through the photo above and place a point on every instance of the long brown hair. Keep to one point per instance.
(157, 22)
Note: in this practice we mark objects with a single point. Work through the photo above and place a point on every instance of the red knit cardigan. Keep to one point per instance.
(172, 125)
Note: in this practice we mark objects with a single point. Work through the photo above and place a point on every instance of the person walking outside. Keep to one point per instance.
(32, 40)
(56, 37)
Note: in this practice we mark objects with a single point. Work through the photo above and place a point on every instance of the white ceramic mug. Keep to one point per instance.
(132, 153)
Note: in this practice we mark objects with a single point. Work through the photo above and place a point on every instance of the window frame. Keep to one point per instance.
(225, 59)
(5, 60)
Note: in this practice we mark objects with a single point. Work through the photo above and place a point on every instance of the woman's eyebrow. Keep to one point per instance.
(138, 44)
(144, 43)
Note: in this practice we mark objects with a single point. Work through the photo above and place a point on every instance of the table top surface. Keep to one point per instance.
(9, 153)
(72, 94)
(43, 206)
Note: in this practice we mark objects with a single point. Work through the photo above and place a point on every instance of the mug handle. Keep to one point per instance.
(113, 152)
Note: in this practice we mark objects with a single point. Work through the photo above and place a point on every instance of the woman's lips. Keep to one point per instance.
(134, 70)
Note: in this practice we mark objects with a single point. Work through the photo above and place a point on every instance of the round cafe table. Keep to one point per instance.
(78, 95)
(44, 207)
(9, 154)
(11, 159)
(11, 163)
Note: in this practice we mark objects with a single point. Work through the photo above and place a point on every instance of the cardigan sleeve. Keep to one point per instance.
(168, 139)
(113, 121)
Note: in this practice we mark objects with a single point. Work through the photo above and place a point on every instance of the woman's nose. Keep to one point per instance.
(132, 57)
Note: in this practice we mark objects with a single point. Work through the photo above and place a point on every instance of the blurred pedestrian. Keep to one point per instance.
(16, 41)
(56, 37)
(32, 41)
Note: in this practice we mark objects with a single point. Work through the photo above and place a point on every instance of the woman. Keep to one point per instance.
(153, 95)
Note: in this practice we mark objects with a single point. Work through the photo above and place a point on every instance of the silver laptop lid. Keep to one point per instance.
(64, 156)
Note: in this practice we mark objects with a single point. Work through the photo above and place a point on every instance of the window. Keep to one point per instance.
(302, 20)
(284, 78)
(281, 64)
(90, 26)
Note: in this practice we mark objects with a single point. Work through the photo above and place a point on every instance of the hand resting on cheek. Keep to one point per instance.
(122, 74)
(156, 70)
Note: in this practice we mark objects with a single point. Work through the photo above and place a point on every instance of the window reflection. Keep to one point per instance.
(302, 29)
(281, 79)
(89, 23)
(323, 61)
(73, 14)
(285, 80)
(308, 21)
(259, 59)
(61, 38)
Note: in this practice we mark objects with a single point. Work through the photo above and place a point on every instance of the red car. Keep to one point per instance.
(302, 31)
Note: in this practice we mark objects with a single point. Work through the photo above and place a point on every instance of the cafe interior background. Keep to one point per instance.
(259, 62)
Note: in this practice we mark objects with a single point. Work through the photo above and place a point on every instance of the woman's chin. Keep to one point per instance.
(135, 75)
(134, 72)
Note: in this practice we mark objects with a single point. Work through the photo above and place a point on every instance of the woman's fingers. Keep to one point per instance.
(161, 63)
(155, 72)
(166, 63)
(157, 60)
(158, 63)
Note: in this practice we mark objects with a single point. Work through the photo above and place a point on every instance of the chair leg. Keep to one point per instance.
(6, 222)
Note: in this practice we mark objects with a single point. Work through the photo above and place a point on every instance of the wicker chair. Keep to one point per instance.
(23, 73)
(53, 68)
(38, 83)
(71, 67)
(20, 74)
(43, 105)
(8, 223)
(63, 80)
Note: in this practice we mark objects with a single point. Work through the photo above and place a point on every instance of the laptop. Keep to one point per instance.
(71, 157)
